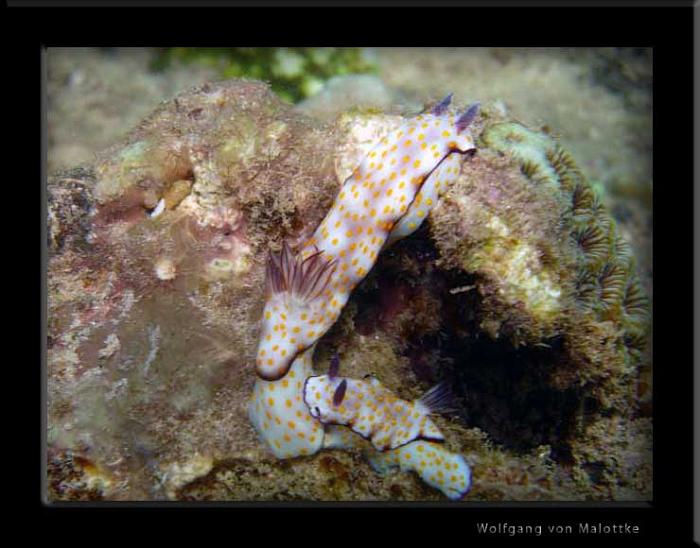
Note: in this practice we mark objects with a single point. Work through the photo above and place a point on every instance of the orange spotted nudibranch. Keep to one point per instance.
(372, 411)
(387, 197)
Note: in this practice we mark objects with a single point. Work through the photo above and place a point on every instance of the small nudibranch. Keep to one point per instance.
(390, 193)
(279, 415)
(372, 411)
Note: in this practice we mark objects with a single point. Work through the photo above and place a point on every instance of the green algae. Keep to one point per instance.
(293, 73)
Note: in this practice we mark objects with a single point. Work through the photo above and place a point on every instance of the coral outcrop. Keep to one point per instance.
(518, 291)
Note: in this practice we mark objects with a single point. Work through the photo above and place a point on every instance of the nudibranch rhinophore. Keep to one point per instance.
(372, 411)
(387, 198)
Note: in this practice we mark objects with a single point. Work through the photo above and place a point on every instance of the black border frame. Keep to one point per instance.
(669, 31)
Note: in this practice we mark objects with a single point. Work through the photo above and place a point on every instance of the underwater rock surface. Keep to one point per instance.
(519, 291)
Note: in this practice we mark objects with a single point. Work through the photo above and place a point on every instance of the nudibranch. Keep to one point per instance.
(386, 198)
(372, 411)
(393, 189)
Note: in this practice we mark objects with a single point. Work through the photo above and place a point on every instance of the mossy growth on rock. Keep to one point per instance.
(606, 285)
(518, 291)
(552, 273)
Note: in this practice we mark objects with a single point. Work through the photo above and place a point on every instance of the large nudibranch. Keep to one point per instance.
(387, 198)
(389, 194)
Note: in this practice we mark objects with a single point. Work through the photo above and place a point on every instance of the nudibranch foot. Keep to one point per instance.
(437, 466)
(441, 469)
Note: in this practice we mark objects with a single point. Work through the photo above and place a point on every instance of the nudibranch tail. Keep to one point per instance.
(437, 466)
(433, 462)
